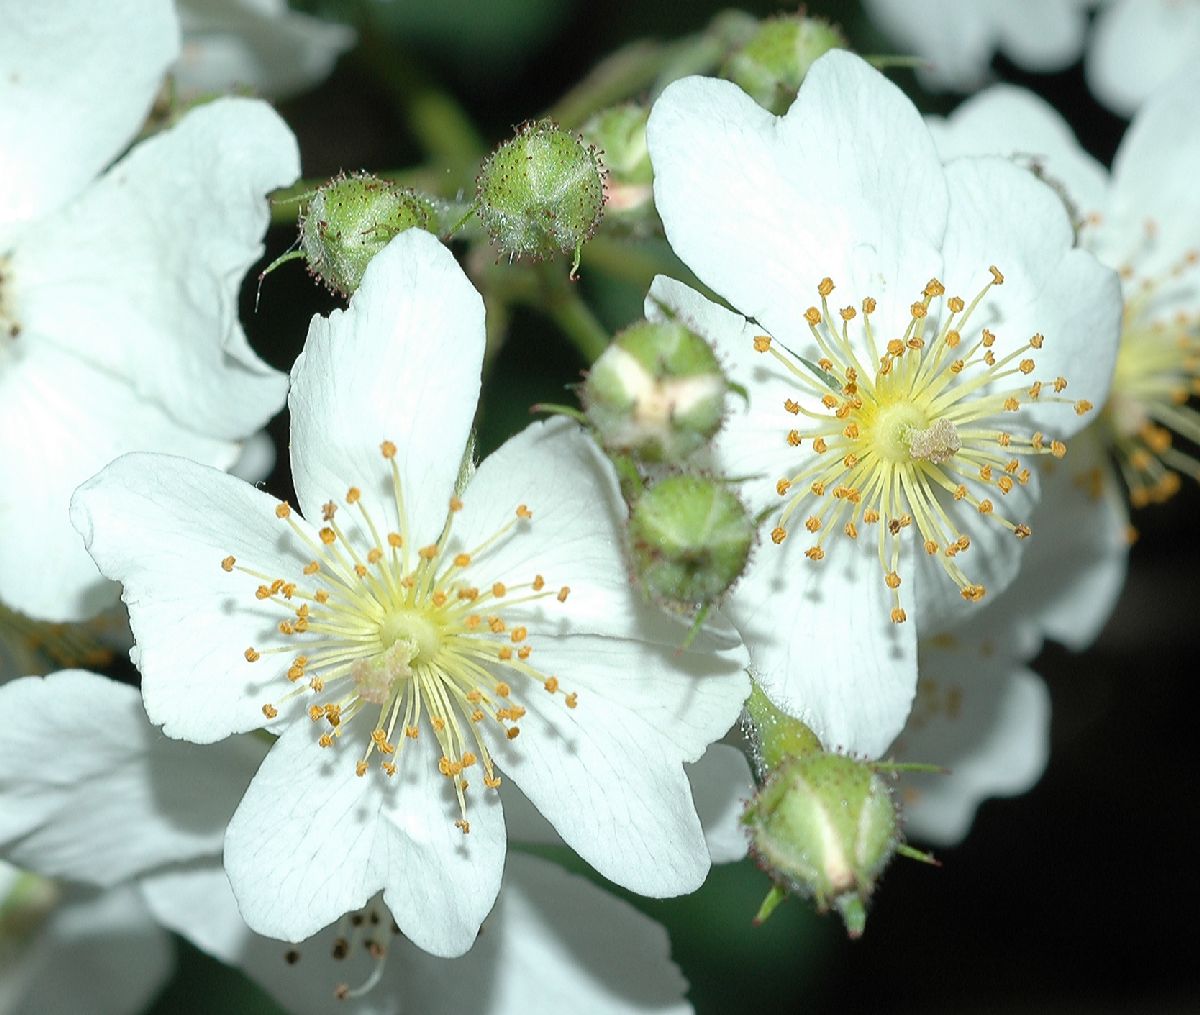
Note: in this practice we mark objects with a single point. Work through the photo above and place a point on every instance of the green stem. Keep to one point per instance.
(631, 69)
(577, 322)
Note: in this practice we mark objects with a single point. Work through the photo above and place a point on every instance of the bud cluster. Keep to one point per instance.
(771, 65)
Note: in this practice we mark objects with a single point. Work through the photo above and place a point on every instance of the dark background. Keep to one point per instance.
(1078, 896)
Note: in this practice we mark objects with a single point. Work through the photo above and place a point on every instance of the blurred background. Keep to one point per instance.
(1079, 896)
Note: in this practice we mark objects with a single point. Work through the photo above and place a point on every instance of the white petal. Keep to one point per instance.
(984, 717)
(99, 952)
(1041, 36)
(162, 526)
(1001, 215)
(553, 943)
(1137, 46)
(575, 538)
(608, 774)
(721, 786)
(63, 420)
(89, 790)
(402, 364)
(79, 78)
(1074, 567)
(312, 841)
(259, 46)
(761, 209)
(1154, 179)
(140, 275)
(822, 645)
(1015, 123)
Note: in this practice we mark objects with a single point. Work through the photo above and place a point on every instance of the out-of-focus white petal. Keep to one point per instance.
(78, 79)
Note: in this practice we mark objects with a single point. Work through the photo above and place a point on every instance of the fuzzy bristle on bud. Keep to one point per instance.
(350, 219)
(541, 192)
(824, 826)
(773, 62)
(690, 539)
(657, 393)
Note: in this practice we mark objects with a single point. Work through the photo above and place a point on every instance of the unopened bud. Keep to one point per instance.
(773, 63)
(690, 538)
(824, 826)
(657, 392)
(620, 133)
(541, 193)
(350, 219)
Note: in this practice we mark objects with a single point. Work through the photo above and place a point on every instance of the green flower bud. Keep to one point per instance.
(541, 193)
(620, 133)
(771, 65)
(825, 826)
(690, 539)
(656, 392)
(350, 219)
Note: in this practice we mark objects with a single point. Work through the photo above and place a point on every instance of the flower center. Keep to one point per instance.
(363, 939)
(1157, 373)
(891, 442)
(407, 637)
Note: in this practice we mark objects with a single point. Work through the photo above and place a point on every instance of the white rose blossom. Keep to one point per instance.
(403, 633)
(910, 333)
(1144, 221)
(1138, 46)
(957, 38)
(259, 45)
(130, 843)
(118, 292)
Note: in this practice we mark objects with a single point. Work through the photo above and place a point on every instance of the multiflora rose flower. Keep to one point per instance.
(417, 632)
(118, 286)
(910, 333)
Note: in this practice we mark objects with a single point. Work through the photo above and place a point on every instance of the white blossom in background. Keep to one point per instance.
(1138, 46)
(258, 45)
(71, 948)
(979, 710)
(75, 932)
(915, 339)
(415, 634)
(118, 292)
(131, 843)
(958, 38)
(1144, 221)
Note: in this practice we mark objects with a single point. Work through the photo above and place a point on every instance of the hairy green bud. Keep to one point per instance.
(350, 219)
(657, 392)
(773, 62)
(690, 539)
(541, 193)
(824, 826)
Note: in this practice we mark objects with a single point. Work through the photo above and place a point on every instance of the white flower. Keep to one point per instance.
(68, 948)
(1137, 46)
(412, 634)
(256, 44)
(908, 333)
(91, 799)
(957, 38)
(118, 294)
(980, 711)
(553, 943)
(140, 815)
(1145, 222)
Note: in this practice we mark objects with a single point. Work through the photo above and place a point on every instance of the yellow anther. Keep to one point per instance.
(395, 541)
(523, 511)
(228, 562)
(793, 438)
(328, 536)
(819, 446)
(783, 486)
(956, 304)
(251, 656)
(997, 277)
(791, 406)
(762, 343)
(892, 580)
(387, 449)
(270, 711)
(563, 593)
(813, 316)
(815, 553)
(1082, 406)
(899, 616)
(825, 286)
(778, 535)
